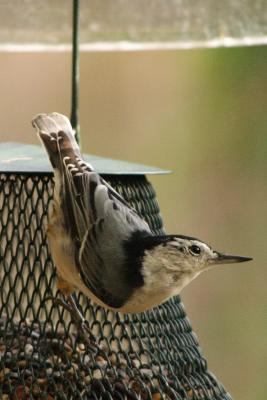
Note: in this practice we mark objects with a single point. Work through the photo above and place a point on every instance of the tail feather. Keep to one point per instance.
(57, 136)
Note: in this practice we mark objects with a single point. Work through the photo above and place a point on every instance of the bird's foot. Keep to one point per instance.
(80, 322)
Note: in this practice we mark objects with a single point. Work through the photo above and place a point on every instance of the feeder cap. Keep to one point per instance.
(28, 158)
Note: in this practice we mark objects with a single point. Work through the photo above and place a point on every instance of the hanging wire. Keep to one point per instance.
(75, 70)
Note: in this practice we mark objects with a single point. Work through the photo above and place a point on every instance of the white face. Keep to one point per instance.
(192, 254)
(171, 265)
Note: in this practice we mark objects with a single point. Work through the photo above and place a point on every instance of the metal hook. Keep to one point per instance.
(75, 70)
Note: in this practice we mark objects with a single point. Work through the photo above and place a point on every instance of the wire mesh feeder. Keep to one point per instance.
(154, 355)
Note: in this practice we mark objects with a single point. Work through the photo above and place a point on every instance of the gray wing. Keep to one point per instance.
(103, 222)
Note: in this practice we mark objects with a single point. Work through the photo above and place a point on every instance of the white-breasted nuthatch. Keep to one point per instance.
(101, 246)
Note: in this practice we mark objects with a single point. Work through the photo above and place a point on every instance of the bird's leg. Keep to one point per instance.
(79, 320)
(83, 323)
(70, 305)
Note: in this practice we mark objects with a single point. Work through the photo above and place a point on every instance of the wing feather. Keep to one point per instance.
(96, 217)
(104, 223)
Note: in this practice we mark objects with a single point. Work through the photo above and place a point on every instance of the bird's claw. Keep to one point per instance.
(81, 323)
(63, 304)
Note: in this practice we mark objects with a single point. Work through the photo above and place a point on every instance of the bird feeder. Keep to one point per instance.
(153, 355)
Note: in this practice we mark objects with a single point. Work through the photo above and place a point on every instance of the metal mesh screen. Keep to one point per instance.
(153, 355)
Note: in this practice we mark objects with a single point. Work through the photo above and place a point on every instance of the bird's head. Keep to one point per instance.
(184, 257)
(194, 255)
(166, 264)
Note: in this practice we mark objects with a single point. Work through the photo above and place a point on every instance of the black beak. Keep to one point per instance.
(227, 259)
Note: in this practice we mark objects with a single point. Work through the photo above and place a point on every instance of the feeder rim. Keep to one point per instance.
(25, 158)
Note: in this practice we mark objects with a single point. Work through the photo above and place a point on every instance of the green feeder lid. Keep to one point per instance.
(28, 158)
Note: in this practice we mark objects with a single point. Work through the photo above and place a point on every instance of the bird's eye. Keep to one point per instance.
(194, 249)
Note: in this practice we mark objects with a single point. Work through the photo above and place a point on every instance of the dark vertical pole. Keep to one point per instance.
(75, 70)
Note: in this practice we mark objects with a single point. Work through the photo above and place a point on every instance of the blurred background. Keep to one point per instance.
(203, 114)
